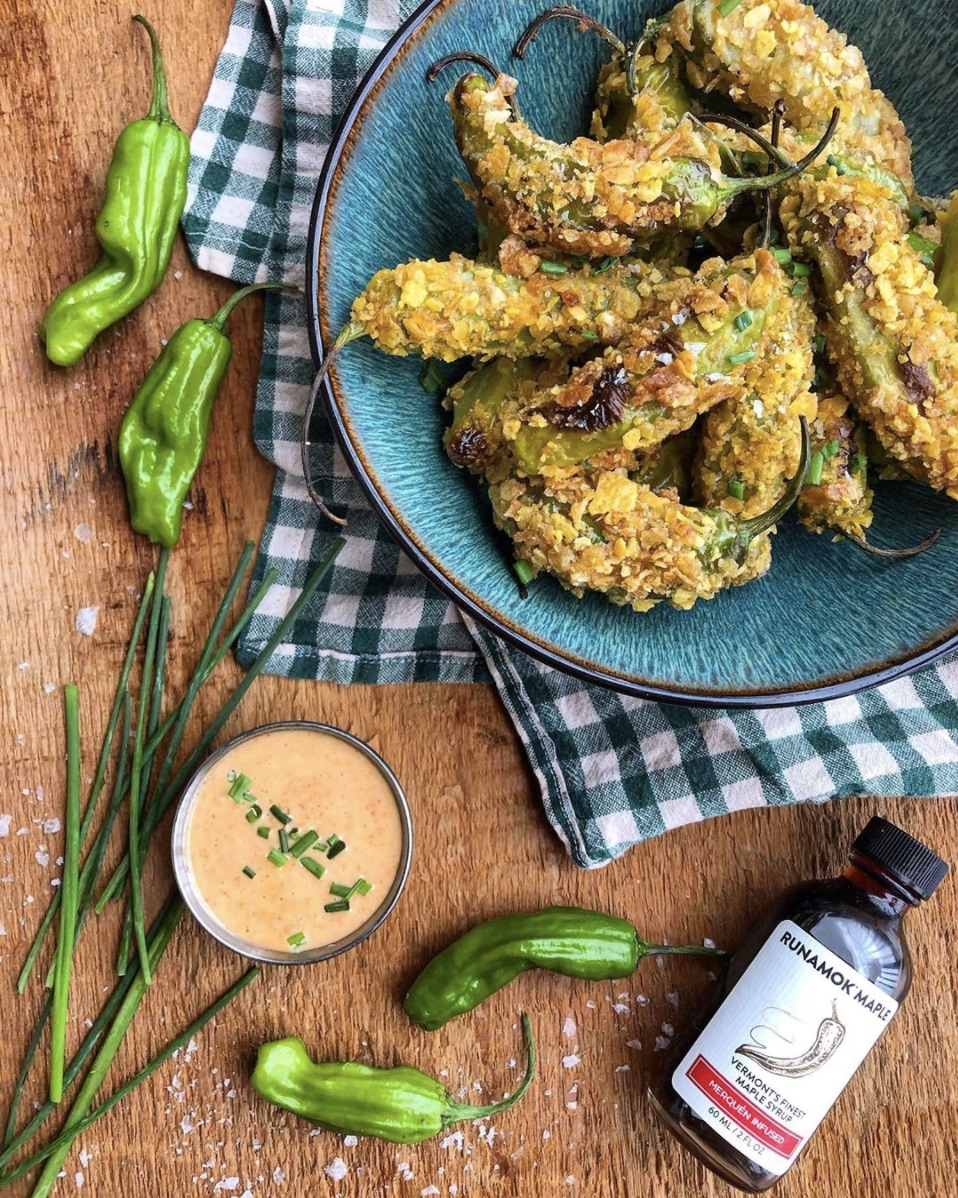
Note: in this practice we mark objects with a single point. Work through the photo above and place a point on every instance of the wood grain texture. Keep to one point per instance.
(70, 74)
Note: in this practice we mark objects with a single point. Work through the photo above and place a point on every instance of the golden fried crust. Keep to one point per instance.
(893, 343)
(842, 501)
(681, 360)
(606, 533)
(460, 308)
(587, 197)
(755, 437)
(766, 50)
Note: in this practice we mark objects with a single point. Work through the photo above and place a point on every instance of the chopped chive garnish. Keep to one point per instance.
(858, 463)
(339, 905)
(819, 343)
(799, 287)
(250, 873)
(829, 450)
(241, 784)
(279, 813)
(340, 890)
(728, 6)
(917, 213)
(316, 868)
(588, 334)
(524, 571)
(321, 846)
(292, 831)
(552, 268)
(362, 886)
(743, 320)
(296, 939)
(815, 467)
(782, 255)
(300, 846)
(335, 849)
(283, 841)
(432, 380)
(924, 248)
(276, 857)
(264, 832)
(254, 813)
(736, 488)
(800, 270)
(745, 356)
(603, 265)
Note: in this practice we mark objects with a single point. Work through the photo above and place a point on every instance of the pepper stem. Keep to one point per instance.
(910, 551)
(457, 1111)
(160, 101)
(749, 529)
(766, 182)
(221, 317)
(350, 332)
(582, 19)
(678, 950)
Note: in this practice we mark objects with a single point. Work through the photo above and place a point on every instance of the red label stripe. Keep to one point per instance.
(751, 1118)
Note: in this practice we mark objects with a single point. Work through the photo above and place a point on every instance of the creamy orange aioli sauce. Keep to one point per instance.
(324, 784)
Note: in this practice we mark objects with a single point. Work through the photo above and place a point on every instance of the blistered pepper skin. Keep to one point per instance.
(567, 940)
(163, 435)
(145, 196)
(402, 1105)
(349, 1097)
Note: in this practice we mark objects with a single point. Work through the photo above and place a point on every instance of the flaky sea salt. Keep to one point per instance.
(571, 1061)
(86, 619)
(337, 1170)
(569, 1028)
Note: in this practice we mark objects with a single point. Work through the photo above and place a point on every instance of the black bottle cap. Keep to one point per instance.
(911, 862)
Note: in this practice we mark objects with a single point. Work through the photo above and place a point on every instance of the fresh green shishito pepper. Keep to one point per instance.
(401, 1105)
(567, 940)
(164, 431)
(145, 195)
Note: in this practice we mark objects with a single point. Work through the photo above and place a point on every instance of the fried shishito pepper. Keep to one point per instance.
(946, 276)
(460, 309)
(603, 531)
(769, 50)
(590, 197)
(836, 497)
(477, 399)
(893, 342)
(690, 353)
(750, 443)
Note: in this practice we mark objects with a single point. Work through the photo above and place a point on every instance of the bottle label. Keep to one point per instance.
(782, 1046)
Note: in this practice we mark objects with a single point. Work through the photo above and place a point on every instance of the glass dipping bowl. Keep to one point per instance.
(207, 918)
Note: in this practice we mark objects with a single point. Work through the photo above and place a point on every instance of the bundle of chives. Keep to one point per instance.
(74, 897)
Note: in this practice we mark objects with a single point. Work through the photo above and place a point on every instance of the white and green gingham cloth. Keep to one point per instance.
(613, 770)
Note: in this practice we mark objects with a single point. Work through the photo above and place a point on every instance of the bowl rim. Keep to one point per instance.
(214, 926)
(836, 687)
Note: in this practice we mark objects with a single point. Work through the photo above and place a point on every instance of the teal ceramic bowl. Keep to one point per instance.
(827, 620)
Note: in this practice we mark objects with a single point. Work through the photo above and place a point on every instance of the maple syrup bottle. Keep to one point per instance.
(801, 1005)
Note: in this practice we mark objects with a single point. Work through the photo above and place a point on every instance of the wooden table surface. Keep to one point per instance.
(71, 73)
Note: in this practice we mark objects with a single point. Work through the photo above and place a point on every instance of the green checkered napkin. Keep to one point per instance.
(613, 770)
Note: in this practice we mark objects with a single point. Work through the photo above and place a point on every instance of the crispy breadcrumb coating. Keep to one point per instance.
(893, 342)
(604, 532)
